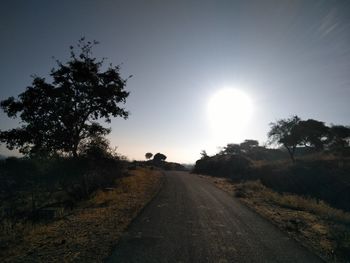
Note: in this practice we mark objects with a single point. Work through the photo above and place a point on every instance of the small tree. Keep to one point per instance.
(159, 157)
(58, 116)
(284, 132)
(148, 155)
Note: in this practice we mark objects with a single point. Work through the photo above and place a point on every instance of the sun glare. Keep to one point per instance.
(229, 112)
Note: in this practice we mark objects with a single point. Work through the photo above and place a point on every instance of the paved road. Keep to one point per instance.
(191, 220)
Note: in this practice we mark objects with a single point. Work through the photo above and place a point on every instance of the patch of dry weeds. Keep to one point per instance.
(320, 227)
(91, 231)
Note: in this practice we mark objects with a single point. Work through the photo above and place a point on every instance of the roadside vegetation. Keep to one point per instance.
(88, 231)
(317, 225)
(71, 195)
(303, 187)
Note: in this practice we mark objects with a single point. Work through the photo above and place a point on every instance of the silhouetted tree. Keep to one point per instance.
(234, 166)
(95, 147)
(284, 132)
(312, 133)
(249, 145)
(203, 154)
(148, 155)
(159, 157)
(231, 148)
(339, 138)
(57, 116)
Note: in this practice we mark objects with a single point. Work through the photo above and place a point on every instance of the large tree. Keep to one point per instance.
(59, 116)
(284, 132)
(313, 133)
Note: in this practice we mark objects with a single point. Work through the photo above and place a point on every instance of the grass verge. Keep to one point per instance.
(92, 230)
(320, 227)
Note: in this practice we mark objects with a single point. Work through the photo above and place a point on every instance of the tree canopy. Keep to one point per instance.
(148, 155)
(203, 154)
(284, 132)
(313, 134)
(242, 148)
(57, 117)
(159, 157)
(339, 138)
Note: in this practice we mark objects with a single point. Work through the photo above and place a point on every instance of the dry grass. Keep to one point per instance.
(314, 223)
(92, 230)
(254, 189)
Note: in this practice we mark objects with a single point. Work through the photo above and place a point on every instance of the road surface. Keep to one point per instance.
(191, 220)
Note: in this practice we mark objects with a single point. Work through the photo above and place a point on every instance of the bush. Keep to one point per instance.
(321, 179)
(31, 185)
(235, 167)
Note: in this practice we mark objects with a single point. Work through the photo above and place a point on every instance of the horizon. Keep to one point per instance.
(280, 58)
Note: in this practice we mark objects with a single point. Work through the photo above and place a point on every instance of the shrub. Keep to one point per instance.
(232, 166)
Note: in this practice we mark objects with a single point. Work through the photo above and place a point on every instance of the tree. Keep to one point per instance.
(284, 132)
(58, 116)
(339, 138)
(204, 154)
(96, 147)
(231, 148)
(148, 155)
(312, 133)
(159, 157)
(249, 145)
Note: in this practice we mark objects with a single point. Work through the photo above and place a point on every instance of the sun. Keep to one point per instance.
(229, 112)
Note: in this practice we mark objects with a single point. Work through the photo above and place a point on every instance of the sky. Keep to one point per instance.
(289, 57)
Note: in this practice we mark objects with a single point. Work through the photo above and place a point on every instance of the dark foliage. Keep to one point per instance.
(311, 134)
(320, 179)
(339, 140)
(31, 187)
(148, 155)
(284, 132)
(159, 157)
(232, 166)
(321, 170)
(154, 165)
(58, 116)
(251, 150)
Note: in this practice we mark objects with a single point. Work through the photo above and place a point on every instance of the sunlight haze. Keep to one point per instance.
(229, 112)
(287, 57)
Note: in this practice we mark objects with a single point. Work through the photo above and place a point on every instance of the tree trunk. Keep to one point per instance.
(291, 153)
(75, 149)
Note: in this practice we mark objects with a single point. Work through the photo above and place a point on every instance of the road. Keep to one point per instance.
(191, 220)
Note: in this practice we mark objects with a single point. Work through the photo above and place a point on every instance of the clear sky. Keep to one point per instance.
(289, 57)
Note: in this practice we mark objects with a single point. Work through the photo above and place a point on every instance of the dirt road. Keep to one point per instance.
(192, 221)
